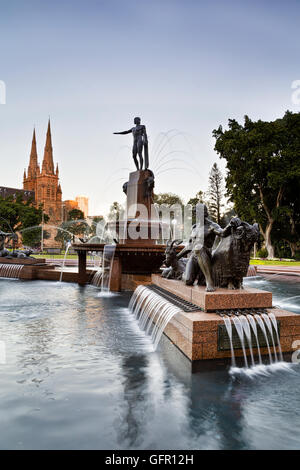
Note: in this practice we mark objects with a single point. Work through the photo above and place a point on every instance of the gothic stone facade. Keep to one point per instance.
(44, 182)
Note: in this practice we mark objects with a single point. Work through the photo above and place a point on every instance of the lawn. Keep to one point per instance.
(54, 256)
(274, 262)
(252, 261)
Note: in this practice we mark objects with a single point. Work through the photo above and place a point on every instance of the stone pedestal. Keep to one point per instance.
(24, 261)
(82, 277)
(140, 226)
(197, 334)
(133, 263)
(221, 299)
(139, 192)
(137, 254)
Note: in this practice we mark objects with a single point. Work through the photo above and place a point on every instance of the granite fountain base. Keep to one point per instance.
(199, 334)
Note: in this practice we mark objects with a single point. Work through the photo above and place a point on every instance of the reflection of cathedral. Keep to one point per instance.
(45, 182)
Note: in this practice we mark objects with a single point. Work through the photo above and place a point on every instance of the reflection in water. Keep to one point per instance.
(34, 359)
(135, 408)
(81, 374)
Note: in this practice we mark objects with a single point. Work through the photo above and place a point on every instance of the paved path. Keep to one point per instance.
(69, 262)
(286, 270)
(261, 269)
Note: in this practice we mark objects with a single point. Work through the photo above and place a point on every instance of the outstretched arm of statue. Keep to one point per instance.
(124, 132)
(221, 232)
(187, 249)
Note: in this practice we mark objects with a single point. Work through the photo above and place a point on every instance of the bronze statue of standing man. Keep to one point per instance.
(140, 142)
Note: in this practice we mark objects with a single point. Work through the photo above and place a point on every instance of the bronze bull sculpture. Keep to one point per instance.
(224, 266)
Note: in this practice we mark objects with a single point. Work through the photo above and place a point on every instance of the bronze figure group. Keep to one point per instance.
(222, 264)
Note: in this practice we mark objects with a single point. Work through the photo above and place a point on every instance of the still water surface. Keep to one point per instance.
(81, 375)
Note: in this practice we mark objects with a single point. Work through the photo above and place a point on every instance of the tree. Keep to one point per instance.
(287, 227)
(23, 217)
(215, 193)
(169, 210)
(262, 161)
(93, 226)
(75, 225)
(75, 214)
(198, 199)
(33, 236)
(167, 198)
(227, 215)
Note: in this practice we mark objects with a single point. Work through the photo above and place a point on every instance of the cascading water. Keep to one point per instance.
(68, 245)
(274, 322)
(229, 332)
(240, 332)
(102, 277)
(11, 271)
(247, 331)
(263, 328)
(269, 326)
(152, 312)
(246, 322)
(98, 274)
(254, 329)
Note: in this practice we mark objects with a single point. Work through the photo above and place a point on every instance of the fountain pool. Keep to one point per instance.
(286, 292)
(80, 374)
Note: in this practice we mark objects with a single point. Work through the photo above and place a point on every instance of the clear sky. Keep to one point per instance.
(184, 66)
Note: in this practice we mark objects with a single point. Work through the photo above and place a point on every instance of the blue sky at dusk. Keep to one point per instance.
(183, 66)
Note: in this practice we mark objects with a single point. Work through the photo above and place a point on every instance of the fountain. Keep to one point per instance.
(199, 301)
(240, 331)
(269, 326)
(137, 253)
(18, 263)
(263, 328)
(263, 333)
(275, 325)
(68, 246)
(247, 331)
(102, 277)
(11, 271)
(199, 335)
(251, 324)
(152, 312)
(228, 326)
(254, 329)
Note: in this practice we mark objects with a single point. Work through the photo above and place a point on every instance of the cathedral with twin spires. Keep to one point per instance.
(45, 181)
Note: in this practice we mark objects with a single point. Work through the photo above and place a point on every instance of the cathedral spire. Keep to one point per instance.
(48, 166)
(33, 160)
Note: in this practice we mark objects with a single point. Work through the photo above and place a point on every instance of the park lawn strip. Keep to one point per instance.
(54, 256)
(252, 261)
(270, 262)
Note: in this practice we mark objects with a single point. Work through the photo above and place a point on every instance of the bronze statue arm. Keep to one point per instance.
(221, 232)
(124, 132)
(187, 249)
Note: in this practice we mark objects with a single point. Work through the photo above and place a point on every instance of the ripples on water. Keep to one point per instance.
(286, 293)
(81, 374)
